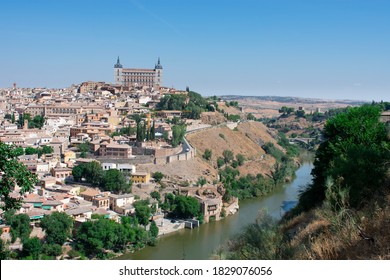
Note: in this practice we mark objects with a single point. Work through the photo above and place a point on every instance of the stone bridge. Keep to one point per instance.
(301, 140)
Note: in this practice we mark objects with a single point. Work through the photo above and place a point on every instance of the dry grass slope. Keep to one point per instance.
(320, 234)
(246, 140)
(218, 139)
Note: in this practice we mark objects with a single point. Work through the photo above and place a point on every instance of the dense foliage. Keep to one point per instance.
(20, 225)
(57, 226)
(115, 181)
(142, 211)
(257, 241)
(180, 206)
(13, 173)
(111, 180)
(36, 122)
(254, 186)
(158, 176)
(178, 132)
(94, 238)
(186, 207)
(245, 186)
(354, 156)
(192, 104)
(39, 151)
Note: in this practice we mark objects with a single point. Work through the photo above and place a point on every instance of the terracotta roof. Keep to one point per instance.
(90, 192)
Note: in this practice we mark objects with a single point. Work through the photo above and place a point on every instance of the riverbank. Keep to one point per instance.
(200, 243)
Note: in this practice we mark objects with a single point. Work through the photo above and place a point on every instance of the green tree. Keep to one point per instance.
(20, 225)
(21, 120)
(156, 195)
(84, 147)
(37, 122)
(13, 173)
(139, 133)
(172, 102)
(115, 181)
(153, 132)
(201, 181)
(144, 132)
(220, 162)
(354, 155)
(165, 135)
(142, 212)
(137, 118)
(258, 241)
(233, 118)
(228, 156)
(186, 207)
(207, 154)
(13, 118)
(169, 201)
(74, 254)
(47, 149)
(286, 110)
(300, 113)
(19, 151)
(5, 253)
(30, 151)
(178, 132)
(240, 159)
(94, 173)
(251, 117)
(278, 173)
(32, 247)
(57, 226)
(78, 172)
(270, 149)
(158, 176)
(53, 250)
(153, 229)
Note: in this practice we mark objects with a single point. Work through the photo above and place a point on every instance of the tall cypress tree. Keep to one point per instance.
(139, 134)
(152, 132)
(144, 132)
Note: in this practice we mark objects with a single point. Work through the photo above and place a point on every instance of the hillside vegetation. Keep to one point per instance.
(245, 158)
(222, 138)
(345, 212)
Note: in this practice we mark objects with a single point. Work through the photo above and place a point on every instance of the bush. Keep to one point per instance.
(207, 154)
(73, 254)
(270, 149)
(228, 156)
(158, 176)
(220, 162)
(240, 159)
(258, 241)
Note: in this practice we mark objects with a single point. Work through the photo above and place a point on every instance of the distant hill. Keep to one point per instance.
(290, 99)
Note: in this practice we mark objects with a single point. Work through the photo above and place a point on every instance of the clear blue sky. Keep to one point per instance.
(311, 48)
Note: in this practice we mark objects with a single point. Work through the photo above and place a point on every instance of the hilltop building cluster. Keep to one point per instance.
(51, 126)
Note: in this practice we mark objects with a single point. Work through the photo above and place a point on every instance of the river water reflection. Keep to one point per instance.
(200, 243)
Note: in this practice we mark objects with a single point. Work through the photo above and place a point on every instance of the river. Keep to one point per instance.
(200, 243)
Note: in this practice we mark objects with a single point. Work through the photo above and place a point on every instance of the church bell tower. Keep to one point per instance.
(118, 73)
(158, 74)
